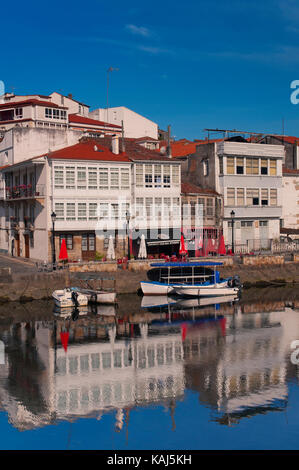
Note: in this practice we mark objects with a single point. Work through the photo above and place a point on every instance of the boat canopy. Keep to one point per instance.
(187, 265)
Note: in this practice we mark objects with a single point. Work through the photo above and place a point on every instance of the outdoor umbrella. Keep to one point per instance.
(63, 251)
(110, 251)
(64, 336)
(142, 249)
(182, 250)
(221, 246)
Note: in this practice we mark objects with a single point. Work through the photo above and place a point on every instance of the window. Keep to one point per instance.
(81, 177)
(62, 114)
(176, 206)
(104, 211)
(230, 196)
(210, 206)
(273, 197)
(19, 113)
(70, 177)
(124, 178)
(148, 206)
(246, 223)
(139, 209)
(103, 178)
(166, 176)
(201, 203)
(176, 175)
(230, 165)
(167, 206)
(263, 223)
(48, 113)
(264, 166)
(264, 197)
(158, 175)
(59, 210)
(148, 176)
(82, 211)
(59, 177)
(252, 197)
(240, 166)
(114, 178)
(221, 165)
(240, 197)
(56, 113)
(68, 240)
(205, 165)
(114, 211)
(139, 176)
(70, 211)
(252, 166)
(92, 211)
(273, 167)
(158, 206)
(92, 178)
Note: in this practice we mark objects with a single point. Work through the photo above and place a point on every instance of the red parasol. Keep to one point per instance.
(63, 251)
(64, 336)
(182, 250)
(221, 246)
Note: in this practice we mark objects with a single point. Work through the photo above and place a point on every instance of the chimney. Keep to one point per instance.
(168, 148)
(115, 144)
(70, 96)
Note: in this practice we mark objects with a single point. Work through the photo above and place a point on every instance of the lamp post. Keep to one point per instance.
(128, 233)
(53, 217)
(232, 214)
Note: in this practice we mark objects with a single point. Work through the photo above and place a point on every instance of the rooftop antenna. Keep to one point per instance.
(111, 69)
(123, 137)
(168, 150)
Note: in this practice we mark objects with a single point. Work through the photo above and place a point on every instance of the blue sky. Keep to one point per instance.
(191, 64)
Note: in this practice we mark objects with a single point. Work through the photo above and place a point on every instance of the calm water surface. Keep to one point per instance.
(146, 376)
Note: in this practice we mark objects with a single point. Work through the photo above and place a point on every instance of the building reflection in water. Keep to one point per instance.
(237, 362)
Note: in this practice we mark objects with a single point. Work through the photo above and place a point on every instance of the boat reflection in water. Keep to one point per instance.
(88, 363)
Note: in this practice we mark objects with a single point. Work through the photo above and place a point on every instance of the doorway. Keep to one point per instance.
(88, 246)
(26, 239)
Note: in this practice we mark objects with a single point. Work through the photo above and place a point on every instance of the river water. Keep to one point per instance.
(151, 374)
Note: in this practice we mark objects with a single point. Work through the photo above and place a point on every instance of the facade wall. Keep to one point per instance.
(135, 125)
(290, 201)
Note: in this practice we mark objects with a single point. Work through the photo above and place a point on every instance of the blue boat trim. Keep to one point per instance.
(184, 265)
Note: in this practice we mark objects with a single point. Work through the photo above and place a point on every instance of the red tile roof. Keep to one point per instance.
(16, 104)
(86, 151)
(84, 120)
(189, 188)
(184, 147)
(16, 121)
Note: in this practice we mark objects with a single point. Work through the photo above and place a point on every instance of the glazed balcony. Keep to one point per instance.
(25, 192)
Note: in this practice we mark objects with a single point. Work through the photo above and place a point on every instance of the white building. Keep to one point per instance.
(91, 186)
(290, 203)
(249, 176)
(135, 125)
(36, 124)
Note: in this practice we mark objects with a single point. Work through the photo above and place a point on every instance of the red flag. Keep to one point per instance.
(182, 250)
(63, 251)
(221, 246)
(64, 336)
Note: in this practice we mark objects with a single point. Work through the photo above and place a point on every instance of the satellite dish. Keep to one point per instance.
(163, 150)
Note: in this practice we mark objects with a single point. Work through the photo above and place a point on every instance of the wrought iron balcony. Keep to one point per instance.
(25, 192)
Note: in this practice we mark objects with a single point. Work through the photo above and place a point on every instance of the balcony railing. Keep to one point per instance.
(25, 192)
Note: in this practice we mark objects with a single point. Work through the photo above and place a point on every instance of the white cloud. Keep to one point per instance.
(138, 30)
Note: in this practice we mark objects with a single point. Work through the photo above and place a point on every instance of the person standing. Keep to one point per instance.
(12, 247)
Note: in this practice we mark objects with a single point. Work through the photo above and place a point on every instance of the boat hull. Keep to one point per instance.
(156, 288)
(63, 299)
(204, 291)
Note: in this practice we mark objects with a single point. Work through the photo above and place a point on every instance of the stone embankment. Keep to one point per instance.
(258, 271)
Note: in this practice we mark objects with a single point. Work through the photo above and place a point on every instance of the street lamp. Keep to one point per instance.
(232, 215)
(128, 233)
(53, 217)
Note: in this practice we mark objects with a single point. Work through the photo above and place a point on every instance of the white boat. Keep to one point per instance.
(187, 279)
(97, 296)
(157, 301)
(213, 290)
(68, 298)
